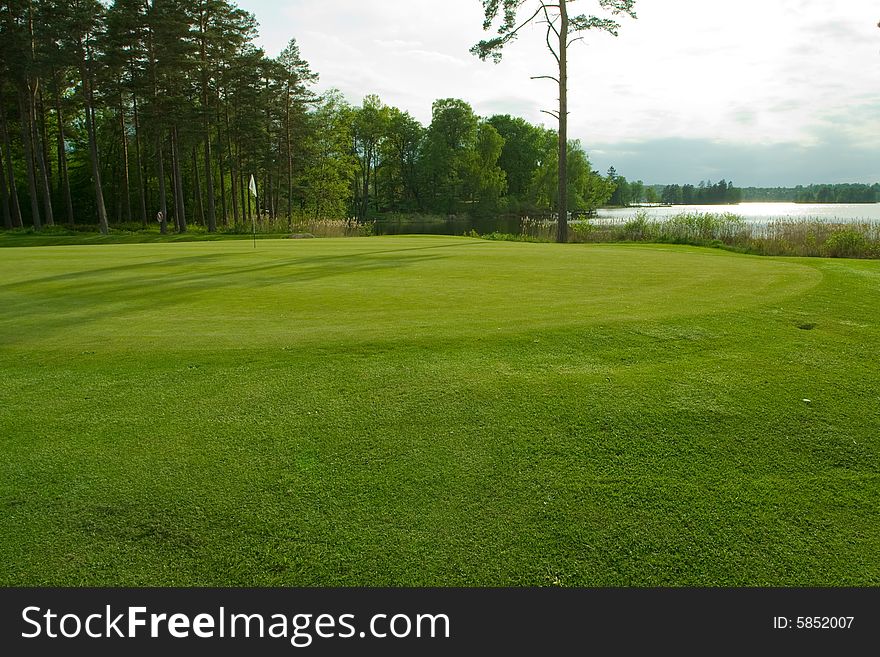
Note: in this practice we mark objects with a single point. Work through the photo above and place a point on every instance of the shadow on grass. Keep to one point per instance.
(55, 303)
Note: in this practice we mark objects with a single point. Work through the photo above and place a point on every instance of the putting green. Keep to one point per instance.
(296, 292)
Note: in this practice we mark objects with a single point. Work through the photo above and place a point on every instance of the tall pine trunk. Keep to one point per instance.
(163, 193)
(63, 175)
(179, 205)
(41, 136)
(93, 149)
(14, 207)
(562, 224)
(233, 172)
(37, 176)
(200, 208)
(126, 179)
(4, 193)
(209, 164)
(209, 182)
(289, 159)
(175, 190)
(139, 160)
(28, 146)
(242, 185)
(222, 170)
(246, 196)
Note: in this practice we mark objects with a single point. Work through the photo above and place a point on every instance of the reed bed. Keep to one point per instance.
(809, 236)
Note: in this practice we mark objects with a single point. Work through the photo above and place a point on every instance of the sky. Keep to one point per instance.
(760, 92)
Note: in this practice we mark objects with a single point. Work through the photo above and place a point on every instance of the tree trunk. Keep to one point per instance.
(562, 223)
(179, 205)
(63, 175)
(44, 133)
(175, 191)
(198, 187)
(209, 164)
(139, 161)
(243, 189)
(233, 172)
(38, 165)
(45, 162)
(365, 196)
(250, 209)
(7, 216)
(289, 161)
(271, 197)
(93, 150)
(163, 194)
(265, 197)
(222, 169)
(126, 180)
(377, 199)
(279, 173)
(14, 206)
(28, 145)
(209, 183)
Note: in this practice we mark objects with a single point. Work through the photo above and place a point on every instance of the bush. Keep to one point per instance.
(637, 229)
(846, 244)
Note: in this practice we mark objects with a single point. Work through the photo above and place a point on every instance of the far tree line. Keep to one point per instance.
(841, 193)
(704, 193)
(723, 192)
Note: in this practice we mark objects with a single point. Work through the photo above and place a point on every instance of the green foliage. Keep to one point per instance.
(637, 229)
(326, 178)
(370, 126)
(587, 190)
(398, 175)
(448, 153)
(485, 181)
(511, 237)
(846, 243)
(525, 146)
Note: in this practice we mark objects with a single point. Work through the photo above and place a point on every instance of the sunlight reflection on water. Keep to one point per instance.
(760, 213)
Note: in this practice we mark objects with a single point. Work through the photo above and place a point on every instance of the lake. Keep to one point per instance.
(755, 213)
(761, 212)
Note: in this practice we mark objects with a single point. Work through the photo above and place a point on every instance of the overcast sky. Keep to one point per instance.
(761, 92)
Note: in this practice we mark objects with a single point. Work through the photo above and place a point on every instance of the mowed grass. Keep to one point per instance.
(432, 411)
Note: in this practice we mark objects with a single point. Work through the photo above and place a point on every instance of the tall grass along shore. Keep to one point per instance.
(811, 237)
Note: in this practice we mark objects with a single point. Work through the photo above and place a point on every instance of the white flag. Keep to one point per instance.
(253, 186)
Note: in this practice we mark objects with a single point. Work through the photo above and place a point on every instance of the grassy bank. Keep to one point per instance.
(796, 237)
(437, 411)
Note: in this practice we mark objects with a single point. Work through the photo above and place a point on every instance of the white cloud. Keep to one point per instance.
(397, 44)
(752, 72)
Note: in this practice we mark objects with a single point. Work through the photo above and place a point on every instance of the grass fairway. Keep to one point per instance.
(437, 411)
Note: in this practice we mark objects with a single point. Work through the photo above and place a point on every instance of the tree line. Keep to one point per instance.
(704, 193)
(841, 193)
(116, 113)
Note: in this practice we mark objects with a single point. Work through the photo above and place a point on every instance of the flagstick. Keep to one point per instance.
(252, 187)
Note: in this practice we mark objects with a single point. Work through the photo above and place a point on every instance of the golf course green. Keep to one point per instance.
(437, 411)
